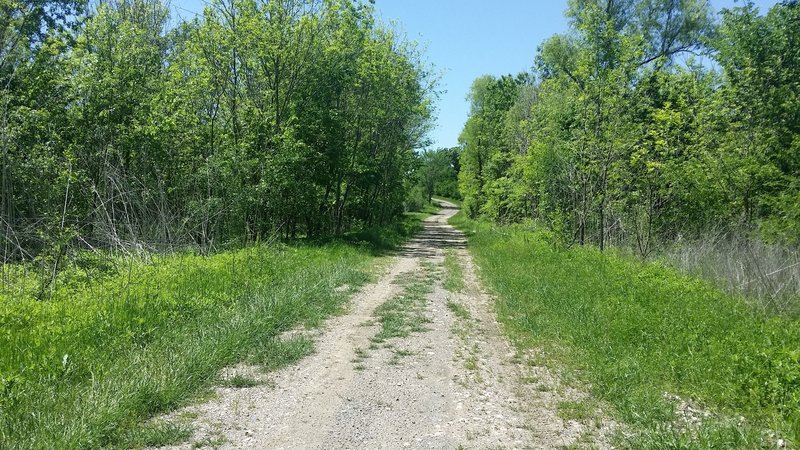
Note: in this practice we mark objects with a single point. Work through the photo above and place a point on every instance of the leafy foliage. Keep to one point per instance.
(255, 119)
(622, 139)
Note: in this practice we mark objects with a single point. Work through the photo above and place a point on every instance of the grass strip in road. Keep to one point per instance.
(459, 310)
(453, 272)
(641, 334)
(404, 313)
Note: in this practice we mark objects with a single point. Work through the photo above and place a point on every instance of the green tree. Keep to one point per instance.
(758, 149)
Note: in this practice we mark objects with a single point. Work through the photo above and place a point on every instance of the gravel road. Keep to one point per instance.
(451, 382)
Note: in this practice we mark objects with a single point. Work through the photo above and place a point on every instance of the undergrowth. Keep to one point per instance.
(640, 334)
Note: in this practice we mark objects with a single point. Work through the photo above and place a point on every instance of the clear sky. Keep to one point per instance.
(469, 38)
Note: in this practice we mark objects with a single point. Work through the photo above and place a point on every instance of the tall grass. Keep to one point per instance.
(79, 370)
(641, 333)
(117, 344)
(767, 274)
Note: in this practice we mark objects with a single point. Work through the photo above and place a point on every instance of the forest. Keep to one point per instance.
(122, 126)
(646, 120)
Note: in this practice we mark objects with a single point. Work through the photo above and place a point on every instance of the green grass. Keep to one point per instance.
(459, 310)
(116, 345)
(634, 331)
(398, 355)
(157, 434)
(215, 441)
(273, 353)
(574, 410)
(454, 273)
(403, 314)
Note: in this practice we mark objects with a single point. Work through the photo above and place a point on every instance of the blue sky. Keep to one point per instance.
(469, 38)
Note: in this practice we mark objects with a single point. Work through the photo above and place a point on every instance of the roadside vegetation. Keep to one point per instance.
(111, 348)
(636, 212)
(122, 127)
(662, 348)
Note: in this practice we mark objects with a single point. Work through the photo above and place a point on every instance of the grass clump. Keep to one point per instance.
(214, 441)
(156, 434)
(274, 353)
(637, 331)
(454, 273)
(574, 410)
(240, 381)
(459, 310)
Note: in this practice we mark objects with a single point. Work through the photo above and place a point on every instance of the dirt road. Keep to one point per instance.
(411, 365)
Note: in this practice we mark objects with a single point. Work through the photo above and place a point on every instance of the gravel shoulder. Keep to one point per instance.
(410, 365)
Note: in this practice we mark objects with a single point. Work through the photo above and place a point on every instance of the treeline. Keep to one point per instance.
(436, 174)
(121, 125)
(647, 120)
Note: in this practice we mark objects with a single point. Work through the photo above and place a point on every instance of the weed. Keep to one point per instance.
(215, 441)
(574, 410)
(404, 313)
(398, 355)
(239, 381)
(471, 362)
(768, 274)
(454, 273)
(459, 310)
(188, 415)
(360, 356)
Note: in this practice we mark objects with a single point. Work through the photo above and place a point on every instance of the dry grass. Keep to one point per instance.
(768, 275)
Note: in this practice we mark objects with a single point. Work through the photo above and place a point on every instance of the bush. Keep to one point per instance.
(416, 200)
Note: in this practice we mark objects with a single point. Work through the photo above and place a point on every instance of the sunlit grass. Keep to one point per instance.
(113, 348)
(453, 272)
(635, 331)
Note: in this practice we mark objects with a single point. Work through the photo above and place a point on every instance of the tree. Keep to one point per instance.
(481, 139)
(758, 149)
(34, 36)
